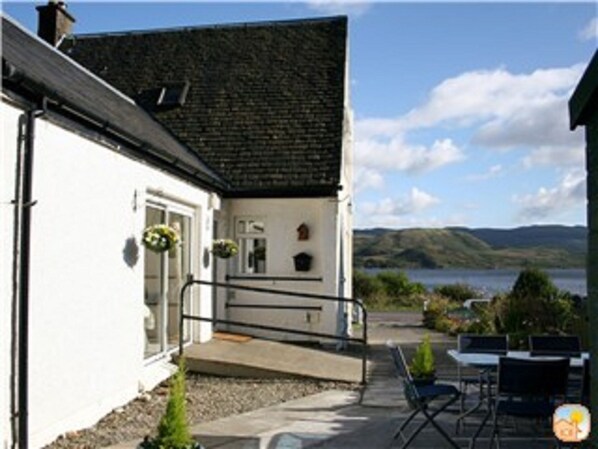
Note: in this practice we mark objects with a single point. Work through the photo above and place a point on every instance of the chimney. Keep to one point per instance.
(54, 22)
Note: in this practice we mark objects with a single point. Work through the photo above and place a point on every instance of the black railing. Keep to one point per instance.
(363, 340)
(272, 307)
(274, 278)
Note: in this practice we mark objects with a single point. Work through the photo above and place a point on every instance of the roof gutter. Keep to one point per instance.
(20, 81)
(322, 191)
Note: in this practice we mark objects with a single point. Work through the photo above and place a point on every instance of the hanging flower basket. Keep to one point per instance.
(160, 237)
(224, 248)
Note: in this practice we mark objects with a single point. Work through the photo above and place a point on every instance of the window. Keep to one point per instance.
(167, 96)
(173, 95)
(251, 234)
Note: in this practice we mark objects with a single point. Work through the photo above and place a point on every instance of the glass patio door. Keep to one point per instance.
(165, 274)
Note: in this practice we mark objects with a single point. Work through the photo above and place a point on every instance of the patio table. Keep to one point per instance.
(490, 361)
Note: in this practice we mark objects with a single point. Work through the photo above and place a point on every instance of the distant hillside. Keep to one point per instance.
(540, 246)
(570, 238)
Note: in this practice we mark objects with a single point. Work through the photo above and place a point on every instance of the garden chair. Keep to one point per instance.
(479, 344)
(585, 383)
(420, 398)
(528, 389)
(555, 345)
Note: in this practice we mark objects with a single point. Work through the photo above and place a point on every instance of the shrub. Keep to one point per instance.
(387, 290)
(534, 306)
(173, 429)
(534, 283)
(436, 307)
(457, 292)
(365, 286)
(398, 284)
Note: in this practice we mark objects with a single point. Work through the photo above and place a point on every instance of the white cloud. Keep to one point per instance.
(395, 154)
(367, 178)
(590, 31)
(492, 172)
(354, 8)
(541, 122)
(556, 156)
(504, 110)
(416, 201)
(394, 221)
(480, 96)
(549, 203)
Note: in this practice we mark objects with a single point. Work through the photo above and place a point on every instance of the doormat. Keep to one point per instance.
(238, 338)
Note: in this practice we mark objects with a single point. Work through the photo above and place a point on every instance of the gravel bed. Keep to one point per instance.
(208, 398)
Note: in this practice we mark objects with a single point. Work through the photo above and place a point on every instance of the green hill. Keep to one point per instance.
(539, 246)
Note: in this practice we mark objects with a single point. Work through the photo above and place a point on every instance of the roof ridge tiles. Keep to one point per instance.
(234, 25)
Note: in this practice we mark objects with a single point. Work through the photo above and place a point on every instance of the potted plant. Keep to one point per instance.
(423, 367)
(160, 237)
(224, 248)
(173, 429)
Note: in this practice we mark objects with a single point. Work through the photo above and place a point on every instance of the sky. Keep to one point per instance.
(460, 109)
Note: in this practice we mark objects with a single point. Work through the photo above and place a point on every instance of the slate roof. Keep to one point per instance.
(32, 68)
(265, 104)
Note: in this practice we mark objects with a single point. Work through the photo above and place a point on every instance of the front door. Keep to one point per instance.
(165, 274)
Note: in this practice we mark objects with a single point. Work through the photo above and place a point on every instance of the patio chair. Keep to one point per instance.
(555, 345)
(585, 383)
(420, 399)
(528, 389)
(480, 344)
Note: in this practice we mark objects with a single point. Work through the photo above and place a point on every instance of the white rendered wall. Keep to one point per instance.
(9, 120)
(86, 320)
(282, 217)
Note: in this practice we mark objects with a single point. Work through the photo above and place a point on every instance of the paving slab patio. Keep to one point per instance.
(352, 419)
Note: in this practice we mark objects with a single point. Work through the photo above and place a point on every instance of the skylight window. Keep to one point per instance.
(166, 96)
(173, 95)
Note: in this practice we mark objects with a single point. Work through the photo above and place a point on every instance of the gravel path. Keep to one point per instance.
(208, 398)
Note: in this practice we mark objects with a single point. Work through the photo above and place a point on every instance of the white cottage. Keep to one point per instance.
(237, 131)
(74, 276)
(266, 105)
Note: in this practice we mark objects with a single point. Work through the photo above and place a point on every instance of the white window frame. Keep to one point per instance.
(169, 206)
(250, 235)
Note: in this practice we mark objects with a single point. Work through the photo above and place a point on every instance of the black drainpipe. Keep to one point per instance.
(23, 205)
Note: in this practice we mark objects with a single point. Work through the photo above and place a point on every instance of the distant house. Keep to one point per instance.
(239, 131)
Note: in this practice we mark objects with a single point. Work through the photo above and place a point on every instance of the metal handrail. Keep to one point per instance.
(363, 340)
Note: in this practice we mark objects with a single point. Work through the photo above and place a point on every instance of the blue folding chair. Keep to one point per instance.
(555, 345)
(528, 388)
(420, 398)
(478, 344)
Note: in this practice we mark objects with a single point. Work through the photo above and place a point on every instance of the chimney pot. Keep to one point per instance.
(54, 22)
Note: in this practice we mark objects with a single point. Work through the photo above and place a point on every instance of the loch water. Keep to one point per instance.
(490, 282)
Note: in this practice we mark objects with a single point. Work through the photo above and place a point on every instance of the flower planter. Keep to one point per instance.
(424, 381)
(224, 248)
(160, 238)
